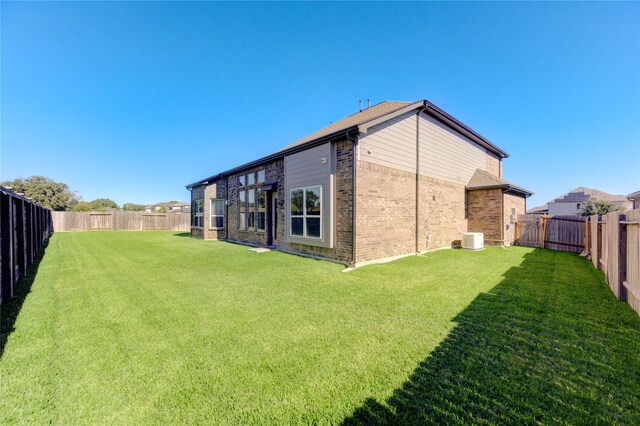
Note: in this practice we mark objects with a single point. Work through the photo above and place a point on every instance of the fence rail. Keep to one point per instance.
(120, 221)
(24, 229)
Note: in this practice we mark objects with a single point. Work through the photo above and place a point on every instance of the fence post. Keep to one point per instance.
(8, 269)
(20, 240)
(622, 258)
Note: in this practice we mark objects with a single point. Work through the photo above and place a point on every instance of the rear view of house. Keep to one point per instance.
(395, 179)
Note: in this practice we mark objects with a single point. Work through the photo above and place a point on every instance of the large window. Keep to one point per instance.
(261, 217)
(242, 216)
(216, 219)
(198, 213)
(306, 212)
(252, 202)
(251, 205)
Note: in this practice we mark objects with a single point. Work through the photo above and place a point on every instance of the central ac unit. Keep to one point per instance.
(473, 240)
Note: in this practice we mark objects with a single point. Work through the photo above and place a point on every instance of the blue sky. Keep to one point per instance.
(131, 101)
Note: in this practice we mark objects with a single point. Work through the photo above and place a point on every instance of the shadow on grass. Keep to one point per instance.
(10, 309)
(182, 234)
(548, 344)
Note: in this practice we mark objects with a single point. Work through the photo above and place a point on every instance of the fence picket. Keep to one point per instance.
(120, 221)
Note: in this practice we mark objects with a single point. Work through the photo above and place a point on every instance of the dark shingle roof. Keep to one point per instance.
(361, 117)
(482, 179)
(360, 121)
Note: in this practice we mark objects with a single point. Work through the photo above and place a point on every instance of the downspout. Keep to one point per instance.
(354, 145)
(417, 233)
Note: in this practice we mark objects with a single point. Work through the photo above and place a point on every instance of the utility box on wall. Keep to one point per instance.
(473, 240)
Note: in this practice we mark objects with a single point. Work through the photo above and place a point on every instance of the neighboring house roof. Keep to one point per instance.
(179, 205)
(634, 195)
(582, 194)
(539, 209)
(360, 122)
(484, 180)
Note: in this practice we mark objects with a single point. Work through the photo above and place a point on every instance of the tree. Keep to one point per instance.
(132, 207)
(54, 195)
(599, 207)
(104, 204)
(82, 206)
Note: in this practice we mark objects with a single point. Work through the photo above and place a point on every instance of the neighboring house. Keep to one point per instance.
(168, 208)
(385, 182)
(572, 203)
(179, 207)
(634, 197)
(543, 209)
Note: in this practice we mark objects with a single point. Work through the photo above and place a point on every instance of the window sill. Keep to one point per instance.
(216, 229)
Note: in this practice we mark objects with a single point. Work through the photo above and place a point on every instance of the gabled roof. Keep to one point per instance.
(355, 119)
(360, 122)
(539, 209)
(581, 194)
(482, 179)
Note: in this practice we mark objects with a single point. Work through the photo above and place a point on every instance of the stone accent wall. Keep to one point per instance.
(215, 190)
(442, 213)
(196, 194)
(493, 164)
(485, 214)
(512, 201)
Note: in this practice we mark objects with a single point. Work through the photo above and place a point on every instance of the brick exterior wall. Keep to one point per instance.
(229, 186)
(386, 215)
(485, 214)
(493, 164)
(385, 212)
(442, 213)
(385, 208)
(511, 201)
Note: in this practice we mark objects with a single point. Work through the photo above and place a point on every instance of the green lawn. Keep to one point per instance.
(157, 328)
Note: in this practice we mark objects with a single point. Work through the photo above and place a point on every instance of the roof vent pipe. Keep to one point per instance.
(368, 103)
(360, 105)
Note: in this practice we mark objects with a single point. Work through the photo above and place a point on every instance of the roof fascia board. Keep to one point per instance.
(363, 128)
(505, 187)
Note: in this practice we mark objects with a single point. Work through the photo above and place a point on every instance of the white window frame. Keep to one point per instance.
(304, 215)
(212, 217)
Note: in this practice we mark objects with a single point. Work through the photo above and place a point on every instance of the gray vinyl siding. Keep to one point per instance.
(393, 142)
(446, 154)
(305, 169)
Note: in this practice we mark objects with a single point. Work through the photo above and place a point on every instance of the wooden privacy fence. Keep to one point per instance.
(614, 244)
(566, 233)
(611, 240)
(24, 229)
(120, 221)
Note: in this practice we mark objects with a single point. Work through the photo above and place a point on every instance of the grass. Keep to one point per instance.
(153, 327)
